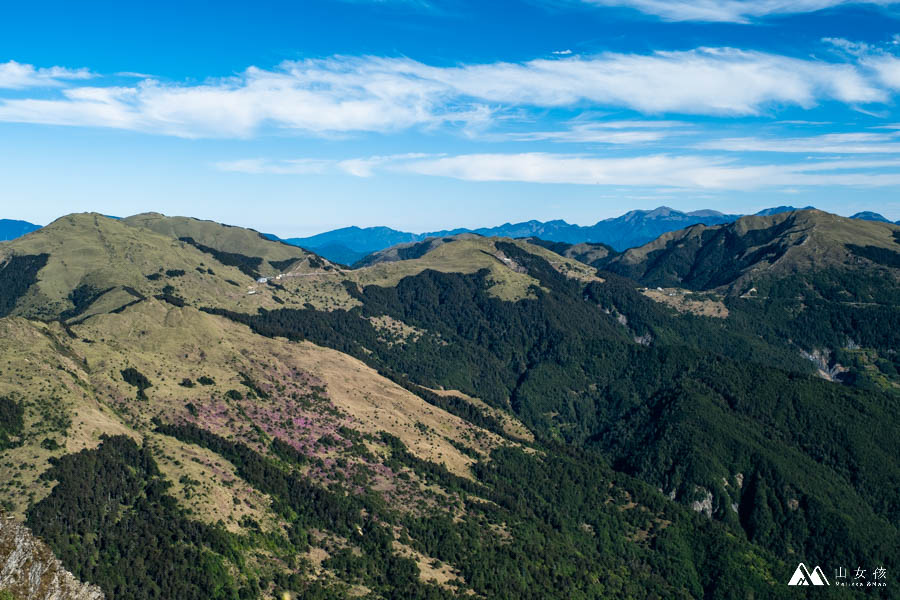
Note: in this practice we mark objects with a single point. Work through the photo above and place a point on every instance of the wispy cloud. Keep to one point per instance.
(18, 76)
(371, 94)
(358, 167)
(258, 166)
(365, 167)
(832, 143)
(606, 132)
(879, 60)
(689, 172)
(652, 171)
(734, 11)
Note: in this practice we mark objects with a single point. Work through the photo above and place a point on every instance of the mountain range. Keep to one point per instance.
(635, 228)
(348, 245)
(204, 412)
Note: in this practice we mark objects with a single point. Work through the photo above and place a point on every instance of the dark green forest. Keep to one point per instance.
(249, 265)
(731, 409)
(11, 423)
(16, 276)
(569, 520)
(110, 521)
(632, 405)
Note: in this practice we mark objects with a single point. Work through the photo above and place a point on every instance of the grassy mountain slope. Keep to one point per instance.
(465, 253)
(828, 285)
(730, 256)
(95, 264)
(277, 257)
(280, 413)
(314, 445)
(585, 252)
(694, 405)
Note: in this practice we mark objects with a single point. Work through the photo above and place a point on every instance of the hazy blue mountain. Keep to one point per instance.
(775, 210)
(638, 227)
(11, 229)
(868, 215)
(635, 228)
(359, 239)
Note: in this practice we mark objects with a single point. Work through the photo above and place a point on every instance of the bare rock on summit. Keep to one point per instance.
(30, 571)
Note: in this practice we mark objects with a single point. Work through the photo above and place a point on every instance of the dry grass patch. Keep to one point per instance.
(511, 425)
(686, 301)
(207, 485)
(377, 404)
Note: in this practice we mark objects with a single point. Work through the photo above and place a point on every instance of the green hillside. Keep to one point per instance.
(829, 285)
(476, 417)
(229, 240)
(87, 264)
(735, 255)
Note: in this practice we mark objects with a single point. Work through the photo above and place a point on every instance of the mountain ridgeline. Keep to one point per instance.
(234, 417)
(634, 228)
(10, 229)
(351, 245)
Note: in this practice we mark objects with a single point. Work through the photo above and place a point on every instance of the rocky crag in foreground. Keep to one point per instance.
(29, 571)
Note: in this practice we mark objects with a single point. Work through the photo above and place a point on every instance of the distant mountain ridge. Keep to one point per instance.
(635, 228)
(868, 215)
(10, 229)
(350, 244)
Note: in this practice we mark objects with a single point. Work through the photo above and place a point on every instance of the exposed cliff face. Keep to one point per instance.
(29, 570)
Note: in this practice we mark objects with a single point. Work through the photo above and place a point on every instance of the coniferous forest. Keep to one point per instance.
(591, 441)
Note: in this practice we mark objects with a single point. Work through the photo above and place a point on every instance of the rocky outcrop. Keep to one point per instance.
(30, 571)
(827, 368)
(704, 506)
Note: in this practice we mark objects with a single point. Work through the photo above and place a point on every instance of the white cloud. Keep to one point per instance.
(605, 132)
(880, 61)
(17, 76)
(258, 166)
(371, 94)
(723, 81)
(848, 46)
(134, 75)
(735, 11)
(832, 143)
(661, 171)
(887, 67)
(358, 167)
(595, 136)
(365, 167)
(653, 171)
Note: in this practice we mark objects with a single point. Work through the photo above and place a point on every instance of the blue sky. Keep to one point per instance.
(297, 117)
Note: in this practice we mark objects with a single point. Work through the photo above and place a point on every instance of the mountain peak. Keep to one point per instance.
(721, 256)
(661, 211)
(868, 215)
(775, 210)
